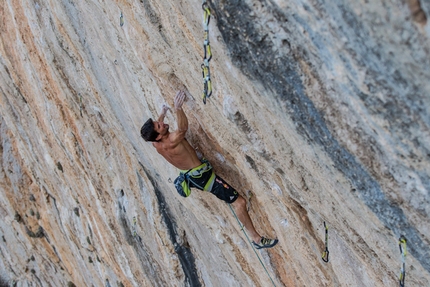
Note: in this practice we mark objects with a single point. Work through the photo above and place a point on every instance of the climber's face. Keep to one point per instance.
(161, 128)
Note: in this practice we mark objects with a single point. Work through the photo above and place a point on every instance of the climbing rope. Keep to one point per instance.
(207, 83)
(325, 253)
(250, 243)
(402, 246)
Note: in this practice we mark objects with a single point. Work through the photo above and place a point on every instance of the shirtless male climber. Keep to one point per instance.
(195, 173)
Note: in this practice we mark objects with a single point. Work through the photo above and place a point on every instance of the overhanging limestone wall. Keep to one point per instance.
(319, 107)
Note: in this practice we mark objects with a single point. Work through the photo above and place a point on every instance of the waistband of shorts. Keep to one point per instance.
(205, 166)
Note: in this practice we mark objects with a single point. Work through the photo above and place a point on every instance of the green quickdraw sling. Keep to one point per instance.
(326, 252)
(207, 83)
(402, 247)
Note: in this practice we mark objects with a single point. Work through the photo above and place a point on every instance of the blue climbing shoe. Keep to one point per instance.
(265, 243)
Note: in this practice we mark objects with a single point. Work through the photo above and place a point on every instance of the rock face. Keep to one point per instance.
(320, 108)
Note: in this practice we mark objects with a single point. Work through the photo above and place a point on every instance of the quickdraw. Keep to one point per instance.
(121, 19)
(402, 246)
(207, 84)
(80, 104)
(326, 252)
(134, 226)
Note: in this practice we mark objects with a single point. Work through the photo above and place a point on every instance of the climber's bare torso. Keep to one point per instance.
(181, 154)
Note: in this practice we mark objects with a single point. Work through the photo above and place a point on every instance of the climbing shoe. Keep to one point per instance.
(265, 243)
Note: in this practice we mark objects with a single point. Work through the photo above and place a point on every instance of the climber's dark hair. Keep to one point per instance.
(148, 132)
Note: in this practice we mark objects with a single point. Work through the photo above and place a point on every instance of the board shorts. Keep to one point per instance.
(204, 178)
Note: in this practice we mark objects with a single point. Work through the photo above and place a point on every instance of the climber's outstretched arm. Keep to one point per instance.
(179, 135)
(163, 113)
